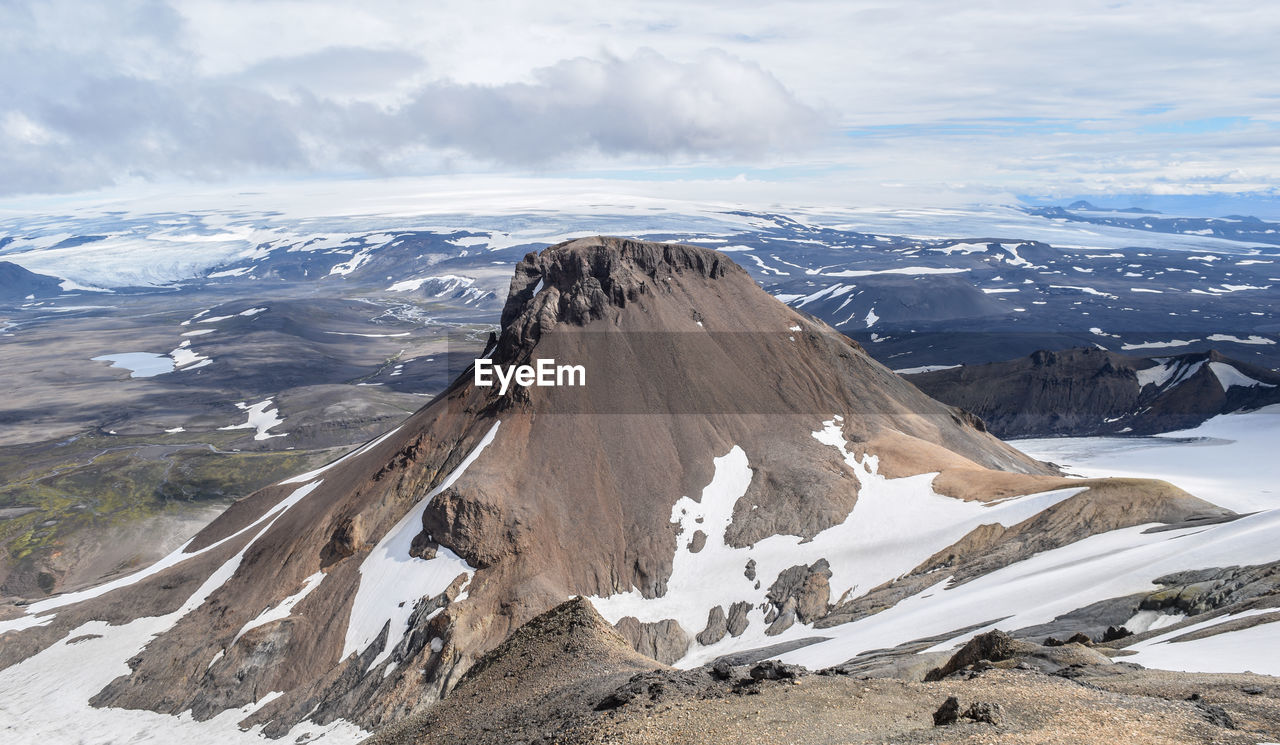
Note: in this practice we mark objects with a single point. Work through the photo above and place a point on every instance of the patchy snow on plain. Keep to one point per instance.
(139, 364)
(1251, 339)
(1085, 290)
(832, 292)
(350, 265)
(262, 417)
(186, 358)
(908, 270)
(766, 268)
(447, 283)
(1158, 344)
(962, 248)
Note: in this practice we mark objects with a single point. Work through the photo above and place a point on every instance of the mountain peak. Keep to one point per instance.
(591, 275)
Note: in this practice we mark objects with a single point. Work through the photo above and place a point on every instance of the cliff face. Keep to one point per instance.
(1093, 392)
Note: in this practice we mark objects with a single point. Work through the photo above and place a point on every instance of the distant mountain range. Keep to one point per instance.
(1090, 391)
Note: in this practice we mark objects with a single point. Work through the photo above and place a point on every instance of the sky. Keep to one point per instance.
(982, 99)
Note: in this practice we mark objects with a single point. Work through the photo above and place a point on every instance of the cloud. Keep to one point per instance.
(715, 105)
(1139, 94)
(338, 72)
(268, 120)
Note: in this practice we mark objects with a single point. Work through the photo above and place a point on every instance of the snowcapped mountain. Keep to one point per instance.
(1091, 391)
(732, 474)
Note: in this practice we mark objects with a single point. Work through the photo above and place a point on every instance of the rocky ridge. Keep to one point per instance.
(1090, 391)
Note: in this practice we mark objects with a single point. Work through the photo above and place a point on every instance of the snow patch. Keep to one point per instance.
(392, 581)
(284, 608)
(1256, 649)
(923, 369)
(139, 364)
(1229, 376)
(909, 270)
(1150, 620)
(1252, 339)
(895, 525)
(1159, 344)
(262, 417)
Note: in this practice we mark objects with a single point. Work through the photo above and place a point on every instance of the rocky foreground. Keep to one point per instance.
(568, 677)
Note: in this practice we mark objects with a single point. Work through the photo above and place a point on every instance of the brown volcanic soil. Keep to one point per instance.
(546, 683)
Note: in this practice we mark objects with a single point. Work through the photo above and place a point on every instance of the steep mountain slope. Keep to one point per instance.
(1092, 391)
(365, 590)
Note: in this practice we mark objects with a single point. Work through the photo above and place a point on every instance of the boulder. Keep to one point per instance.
(665, 641)
(738, 618)
(948, 713)
(717, 627)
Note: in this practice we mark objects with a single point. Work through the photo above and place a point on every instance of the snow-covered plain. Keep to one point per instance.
(160, 239)
(1229, 460)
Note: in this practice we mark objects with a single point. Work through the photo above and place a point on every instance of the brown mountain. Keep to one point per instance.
(365, 591)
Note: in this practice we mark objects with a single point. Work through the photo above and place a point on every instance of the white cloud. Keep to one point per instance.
(18, 127)
(992, 95)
